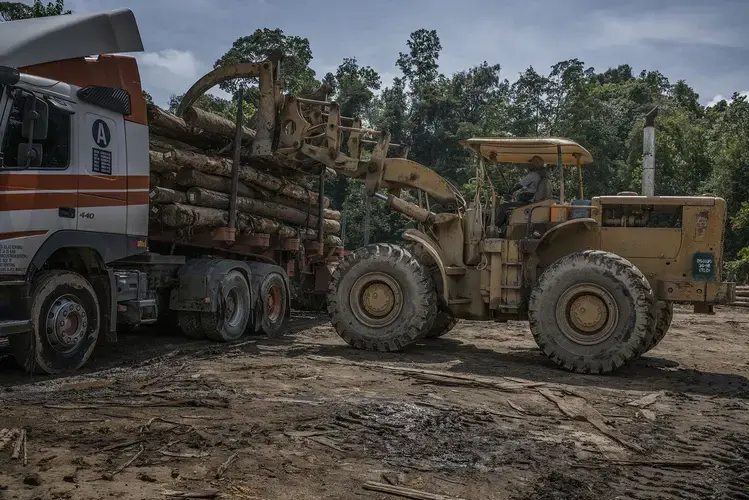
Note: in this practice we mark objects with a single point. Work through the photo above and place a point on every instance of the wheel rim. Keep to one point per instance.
(376, 299)
(66, 324)
(587, 314)
(234, 308)
(273, 303)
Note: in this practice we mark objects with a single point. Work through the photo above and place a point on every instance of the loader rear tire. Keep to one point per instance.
(443, 324)
(592, 312)
(381, 299)
(664, 313)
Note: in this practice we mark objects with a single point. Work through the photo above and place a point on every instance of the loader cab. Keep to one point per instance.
(517, 219)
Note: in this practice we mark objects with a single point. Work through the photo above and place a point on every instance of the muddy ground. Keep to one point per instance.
(480, 414)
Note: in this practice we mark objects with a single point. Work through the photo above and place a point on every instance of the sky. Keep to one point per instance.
(704, 43)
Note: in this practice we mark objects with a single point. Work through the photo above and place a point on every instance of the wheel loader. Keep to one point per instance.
(595, 279)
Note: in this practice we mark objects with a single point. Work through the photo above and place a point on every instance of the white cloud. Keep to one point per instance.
(719, 97)
(182, 63)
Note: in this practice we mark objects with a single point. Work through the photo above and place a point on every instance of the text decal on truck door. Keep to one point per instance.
(101, 160)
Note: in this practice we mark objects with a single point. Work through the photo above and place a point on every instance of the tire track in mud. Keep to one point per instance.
(723, 449)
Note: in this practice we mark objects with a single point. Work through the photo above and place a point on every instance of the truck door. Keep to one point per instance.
(38, 200)
(102, 181)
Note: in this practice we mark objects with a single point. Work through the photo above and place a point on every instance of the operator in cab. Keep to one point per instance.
(532, 188)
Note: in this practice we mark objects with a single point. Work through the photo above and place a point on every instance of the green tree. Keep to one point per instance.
(13, 11)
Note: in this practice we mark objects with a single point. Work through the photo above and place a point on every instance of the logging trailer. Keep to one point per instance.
(80, 256)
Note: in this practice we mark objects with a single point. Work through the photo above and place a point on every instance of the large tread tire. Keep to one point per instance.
(415, 316)
(664, 314)
(631, 294)
(229, 322)
(191, 325)
(443, 324)
(273, 320)
(53, 293)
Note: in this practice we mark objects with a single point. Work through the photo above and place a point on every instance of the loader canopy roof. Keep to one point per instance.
(521, 150)
(28, 42)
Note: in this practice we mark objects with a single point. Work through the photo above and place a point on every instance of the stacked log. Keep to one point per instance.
(742, 296)
(191, 183)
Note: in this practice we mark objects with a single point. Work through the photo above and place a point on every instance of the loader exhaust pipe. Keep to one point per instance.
(648, 154)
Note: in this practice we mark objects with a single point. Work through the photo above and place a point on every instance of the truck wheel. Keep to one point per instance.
(66, 317)
(664, 313)
(273, 303)
(592, 312)
(381, 299)
(443, 324)
(191, 324)
(232, 314)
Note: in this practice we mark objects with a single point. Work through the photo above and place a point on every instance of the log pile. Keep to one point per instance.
(190, 183)
(742, 296)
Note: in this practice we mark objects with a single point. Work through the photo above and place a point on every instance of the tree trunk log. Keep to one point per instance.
(214, 199)
(197, 118)
(180, 216)
(188, 177)
(222, 166)
(160, 194)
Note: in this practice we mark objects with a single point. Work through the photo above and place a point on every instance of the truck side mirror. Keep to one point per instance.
(9, 76)
(35, 119)
(30, 154)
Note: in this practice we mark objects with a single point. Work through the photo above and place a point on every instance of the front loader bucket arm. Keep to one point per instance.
(216, 77)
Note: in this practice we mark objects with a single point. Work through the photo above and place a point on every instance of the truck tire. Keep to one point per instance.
(191, 324)
(273, 303)
(233, 310)
(381, 298)
(443, 324)
(592, 312)
(664, 313)
(67, 319)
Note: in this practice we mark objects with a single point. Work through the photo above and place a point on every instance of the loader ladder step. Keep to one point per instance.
(455, 271)
(455, 302)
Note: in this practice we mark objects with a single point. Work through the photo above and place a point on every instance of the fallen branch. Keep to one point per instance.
(645, 400)
(325, 442)
(183, 455)
(190, 494)
(675, 464)
(434, 376)
(588, 413)
(124, 466)
(404, 492)
(118, 446)
(224, 466)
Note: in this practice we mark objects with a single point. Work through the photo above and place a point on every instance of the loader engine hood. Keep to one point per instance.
(28, 42)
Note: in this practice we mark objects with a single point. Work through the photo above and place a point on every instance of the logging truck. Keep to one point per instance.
(114, 213)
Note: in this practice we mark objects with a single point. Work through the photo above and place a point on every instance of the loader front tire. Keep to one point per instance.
(381, 299)
(443, 324)
(592, 312)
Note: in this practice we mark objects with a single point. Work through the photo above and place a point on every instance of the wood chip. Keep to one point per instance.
(515, 406)
(404, 492)
(19, 445)
(648, 414)
(582, 410)
(645, 401)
